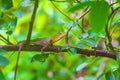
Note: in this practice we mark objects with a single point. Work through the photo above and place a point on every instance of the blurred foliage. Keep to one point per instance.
(15, 16)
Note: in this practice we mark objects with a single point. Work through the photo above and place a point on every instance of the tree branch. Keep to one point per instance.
(103, 53)
(66, 38)
(28, 36)
(31, 22)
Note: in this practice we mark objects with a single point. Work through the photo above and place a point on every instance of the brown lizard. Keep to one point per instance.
(44, 42)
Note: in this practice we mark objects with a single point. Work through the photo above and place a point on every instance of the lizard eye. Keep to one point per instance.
(58, 34)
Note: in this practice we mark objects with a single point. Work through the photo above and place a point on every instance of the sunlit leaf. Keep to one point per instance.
(81, 66)
(18, 13)
(97, 18)
(91, 42)
(83, 36)
(2, 51)
(3, 61)
(90, 78)
(116, 23)
(70, 2)
(25, 3)
(75, 24)
(2, 77)
(81, 44)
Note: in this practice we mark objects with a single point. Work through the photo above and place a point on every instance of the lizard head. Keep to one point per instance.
(57, 37)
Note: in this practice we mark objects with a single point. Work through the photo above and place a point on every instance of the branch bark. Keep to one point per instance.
(103, 53)
(31, 23)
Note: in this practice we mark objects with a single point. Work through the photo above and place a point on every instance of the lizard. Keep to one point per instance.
(44, 42)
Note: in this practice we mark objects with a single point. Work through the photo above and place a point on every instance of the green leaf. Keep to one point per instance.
(9, 32)
(81, 66)
(99, 15)
(8, 23)
(83, 36)
(118, 58)
(26, 3)
(39, 57)
(75, 23)
(64, 47)
(117, 74)
(1, 15)
(2, 77)
(91, 33)
(7, 4)
(70, 2)
(2, 51)
(81, 5)
(3, 61)
(18, 13)
(73, 50)
(118, 1)
(91, 42)
(116, 23)
(81, 44)
(109, 76)
(14, 22)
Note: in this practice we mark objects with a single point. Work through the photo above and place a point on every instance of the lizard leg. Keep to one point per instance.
(42, 51)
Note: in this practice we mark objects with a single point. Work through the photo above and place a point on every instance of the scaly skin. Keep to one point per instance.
(49, 40)
(42, 42)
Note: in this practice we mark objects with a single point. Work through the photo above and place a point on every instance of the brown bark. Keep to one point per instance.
(103, 53)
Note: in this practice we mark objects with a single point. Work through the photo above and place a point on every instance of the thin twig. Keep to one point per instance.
(112, 16)
(85, 12)
(4, 41)
(66, 15)
(61, 11)
(109, 38)
(107, 30)
(67, 43)
(8, 42)
(31, 22)
(114, 3)
(82, 16)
